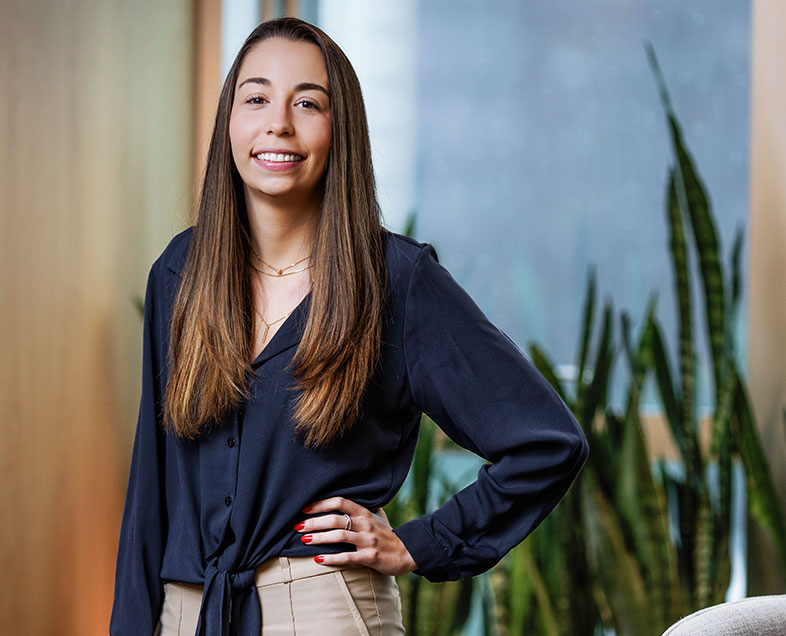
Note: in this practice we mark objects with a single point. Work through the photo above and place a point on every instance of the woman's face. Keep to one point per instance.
(279, 127)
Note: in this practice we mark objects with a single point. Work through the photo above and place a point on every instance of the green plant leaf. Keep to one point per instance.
(639, 501)
(622, 585)
(449, 607)
(643, 506)
(687, 354)
(672, 407)
(542, 363)
(547, 614)
(720, 446)
(488, 604)
(422, 465)
(734, 266)
(586, 334)
(695, 205)
(596, 395)
(409, 224)
(703, 554)
(415, 590)
(558, 548)
(641, 359)
(605, 456)
(763, 501)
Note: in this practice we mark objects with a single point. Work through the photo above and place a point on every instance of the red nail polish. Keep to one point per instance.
(307, 508)
(319, 559)
(300, 525)
(306, 538)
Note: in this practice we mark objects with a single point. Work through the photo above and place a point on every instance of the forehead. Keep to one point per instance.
(285, 62)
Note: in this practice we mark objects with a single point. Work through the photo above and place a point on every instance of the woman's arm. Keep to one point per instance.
(138, 587)
(487, 396)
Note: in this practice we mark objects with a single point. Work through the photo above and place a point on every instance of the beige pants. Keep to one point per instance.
(300, 597)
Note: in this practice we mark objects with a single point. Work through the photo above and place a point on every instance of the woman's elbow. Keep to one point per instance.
(571, 449)
(579, 451)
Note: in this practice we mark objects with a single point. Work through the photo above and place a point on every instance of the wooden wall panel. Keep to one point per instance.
(207, 79)
(96, 121)
(767, 298)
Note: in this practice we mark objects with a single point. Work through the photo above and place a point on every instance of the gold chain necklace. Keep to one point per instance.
(279, 271)
(269, 324)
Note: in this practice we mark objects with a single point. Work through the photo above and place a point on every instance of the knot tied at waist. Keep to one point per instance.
(230, 604)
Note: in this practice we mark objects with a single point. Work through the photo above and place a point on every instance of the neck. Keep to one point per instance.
(282, 231)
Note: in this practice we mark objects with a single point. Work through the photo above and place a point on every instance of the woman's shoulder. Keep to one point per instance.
(403, 253)
(173, 258)
(408, 259)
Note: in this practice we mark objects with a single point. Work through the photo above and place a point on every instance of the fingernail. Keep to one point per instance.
(300, 525)
(307, 508)
(306, 538)
(319, 559)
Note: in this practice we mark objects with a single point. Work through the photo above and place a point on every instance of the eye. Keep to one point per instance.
(308, 104)
(254, 99)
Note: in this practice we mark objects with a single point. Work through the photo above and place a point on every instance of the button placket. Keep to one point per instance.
(232, 443)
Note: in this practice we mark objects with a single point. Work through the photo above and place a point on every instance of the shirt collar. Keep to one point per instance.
(177, 259)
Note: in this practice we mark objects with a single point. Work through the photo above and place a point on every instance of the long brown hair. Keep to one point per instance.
(211, 324)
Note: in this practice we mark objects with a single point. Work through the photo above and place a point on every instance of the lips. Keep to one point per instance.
(278, 162)
(278, 156)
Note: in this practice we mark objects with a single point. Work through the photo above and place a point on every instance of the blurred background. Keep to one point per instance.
(528, 139)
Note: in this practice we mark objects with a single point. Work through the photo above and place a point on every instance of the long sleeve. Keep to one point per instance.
(138, 586)
(488, 397)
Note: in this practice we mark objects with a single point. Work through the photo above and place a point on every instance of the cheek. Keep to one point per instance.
(237, 136)
(324, 141)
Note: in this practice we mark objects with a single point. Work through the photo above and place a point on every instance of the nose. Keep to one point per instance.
(279, 122)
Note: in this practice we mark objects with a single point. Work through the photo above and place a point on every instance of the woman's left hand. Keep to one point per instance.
(378, 546)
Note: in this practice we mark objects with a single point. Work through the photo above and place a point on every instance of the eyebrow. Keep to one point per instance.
(303, 86)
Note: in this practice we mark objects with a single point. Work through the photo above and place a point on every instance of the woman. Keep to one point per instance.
(290, 347)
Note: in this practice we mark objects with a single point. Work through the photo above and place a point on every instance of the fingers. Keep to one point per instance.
(336, 503)
(377, 546)
(325, 522)
(372, 557)
(341, 558)
(329, 522)
(340, 536)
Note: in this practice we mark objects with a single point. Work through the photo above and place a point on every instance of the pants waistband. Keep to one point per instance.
(283, 569)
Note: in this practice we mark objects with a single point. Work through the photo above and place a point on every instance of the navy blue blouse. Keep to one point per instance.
(210, 511)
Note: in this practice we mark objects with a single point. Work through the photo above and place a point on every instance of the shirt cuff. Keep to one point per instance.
(431, 557)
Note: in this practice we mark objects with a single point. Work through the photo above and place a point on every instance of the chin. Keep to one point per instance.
(282, 193)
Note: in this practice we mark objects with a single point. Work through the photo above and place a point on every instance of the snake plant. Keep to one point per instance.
(629, 548)
(605, 557)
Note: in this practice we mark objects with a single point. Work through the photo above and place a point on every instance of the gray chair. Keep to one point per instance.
(755, 616)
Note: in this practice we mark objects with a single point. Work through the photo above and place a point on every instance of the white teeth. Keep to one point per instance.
(272, 156)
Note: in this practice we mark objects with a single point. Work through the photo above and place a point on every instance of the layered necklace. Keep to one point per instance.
(278, 272)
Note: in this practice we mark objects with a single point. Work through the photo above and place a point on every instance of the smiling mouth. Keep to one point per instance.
(279, 158)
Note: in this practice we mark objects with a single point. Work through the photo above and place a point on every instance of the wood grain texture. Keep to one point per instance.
(96, 173)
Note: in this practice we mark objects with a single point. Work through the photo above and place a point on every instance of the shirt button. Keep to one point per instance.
(231, 442)
(228, 501)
